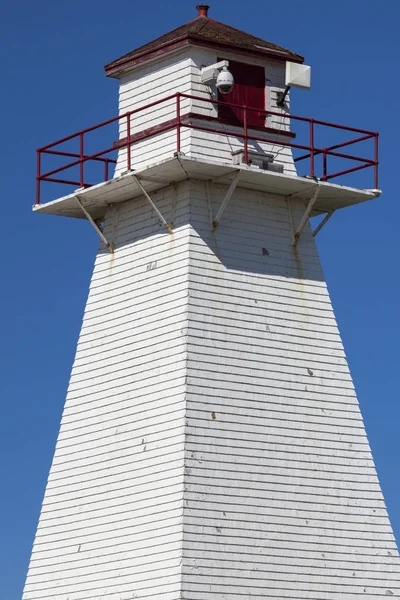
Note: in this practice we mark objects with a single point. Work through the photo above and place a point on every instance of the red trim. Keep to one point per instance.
(185, 121)
(80, 158)
(271, 130)
(115, 70)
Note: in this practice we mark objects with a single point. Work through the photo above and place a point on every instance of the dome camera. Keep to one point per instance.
(217, 74)
(225, 81)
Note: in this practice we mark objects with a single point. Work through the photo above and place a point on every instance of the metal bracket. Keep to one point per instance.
(225, 201)
(323, 222)
(97, 228)
(163, 221)
(281, 97)
(297, 233)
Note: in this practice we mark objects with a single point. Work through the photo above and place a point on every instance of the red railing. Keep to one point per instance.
(267, 135)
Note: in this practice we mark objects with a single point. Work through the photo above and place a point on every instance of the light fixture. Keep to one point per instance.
(219, 75)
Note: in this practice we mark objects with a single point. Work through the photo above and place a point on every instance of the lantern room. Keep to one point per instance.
(212, 122)
(207, 100)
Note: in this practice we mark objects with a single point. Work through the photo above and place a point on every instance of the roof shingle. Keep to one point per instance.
(204, 31)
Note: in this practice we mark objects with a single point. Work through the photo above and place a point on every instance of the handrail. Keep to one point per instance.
(127, 119)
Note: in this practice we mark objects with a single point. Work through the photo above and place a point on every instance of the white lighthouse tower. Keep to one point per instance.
(211, 445)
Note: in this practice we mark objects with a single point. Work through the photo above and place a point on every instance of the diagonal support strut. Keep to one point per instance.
(96, 227)
(304, 218)
(323, 222)
(163, 221)
(225, 201)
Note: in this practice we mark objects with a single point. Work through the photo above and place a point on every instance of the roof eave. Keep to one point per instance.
(119, 67)
(265, 53)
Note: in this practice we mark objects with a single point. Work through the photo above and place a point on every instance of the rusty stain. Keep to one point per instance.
(213, 416)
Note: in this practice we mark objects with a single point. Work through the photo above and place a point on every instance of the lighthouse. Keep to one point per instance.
(211, 445)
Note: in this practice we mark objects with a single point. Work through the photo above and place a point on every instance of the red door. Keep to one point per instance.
(249, 90)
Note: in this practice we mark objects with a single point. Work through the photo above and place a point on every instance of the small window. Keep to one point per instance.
(249, 90)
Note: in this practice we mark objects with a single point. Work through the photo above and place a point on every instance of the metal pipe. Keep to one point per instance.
(312, 162)
(311, 150)
(67, 182)
(37, 177)
(178, 122)
(74, 155)
(279, 114)
(342, 145)
(107, 122)
(324, 166)
(81, 156)
(212, 101)
(128, 125)
(376, 157)
(76, 162)
(246, 141)
(347, 171)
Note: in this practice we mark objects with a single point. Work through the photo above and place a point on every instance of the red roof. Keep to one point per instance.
(206, 32)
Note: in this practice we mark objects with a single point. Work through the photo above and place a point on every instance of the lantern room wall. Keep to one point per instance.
(181, 72)
(145, 85)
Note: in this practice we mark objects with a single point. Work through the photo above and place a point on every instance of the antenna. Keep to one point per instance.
(296, 76)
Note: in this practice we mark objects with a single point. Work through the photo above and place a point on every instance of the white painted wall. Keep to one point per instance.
(211, 446)
(145, 85)
(180, 72)
(111, 521)
(282, 498)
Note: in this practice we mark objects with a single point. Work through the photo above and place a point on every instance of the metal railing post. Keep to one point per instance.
(38, 157)
(106, 162)
(81, 163)
(128, 141)
(324, 165)
(376, 159)
(178, 122)
(246, 141)
(312, 160)
(311, 152)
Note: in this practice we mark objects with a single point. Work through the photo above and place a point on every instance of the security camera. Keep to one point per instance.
(225, 81)
(219, 75)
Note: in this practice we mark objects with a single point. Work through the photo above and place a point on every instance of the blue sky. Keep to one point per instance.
(52, 57)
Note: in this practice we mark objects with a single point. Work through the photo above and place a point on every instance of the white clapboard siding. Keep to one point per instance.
(111, 521)
(281, 494)
(211, 446)
(142, 87)
(220, 146)
(181, 72)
